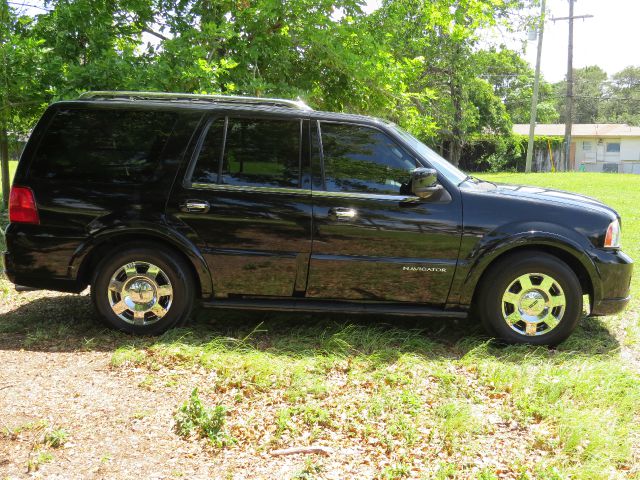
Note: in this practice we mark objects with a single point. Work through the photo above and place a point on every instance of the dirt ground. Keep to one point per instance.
(119, 428)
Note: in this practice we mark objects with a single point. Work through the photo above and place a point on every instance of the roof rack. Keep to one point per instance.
(188, 97)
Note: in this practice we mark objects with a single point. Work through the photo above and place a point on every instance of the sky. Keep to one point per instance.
(610, 39)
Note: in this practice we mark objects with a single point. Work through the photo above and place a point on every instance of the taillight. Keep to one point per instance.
(22, 206)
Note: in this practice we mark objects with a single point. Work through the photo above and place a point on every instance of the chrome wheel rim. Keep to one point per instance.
(140, 293)
(533, 304)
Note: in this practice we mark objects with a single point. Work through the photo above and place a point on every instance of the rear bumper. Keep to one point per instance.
(40, 259)
(614, 269)
(35, 280)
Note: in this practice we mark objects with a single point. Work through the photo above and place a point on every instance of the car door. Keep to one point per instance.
(373, 240)
(247, 197)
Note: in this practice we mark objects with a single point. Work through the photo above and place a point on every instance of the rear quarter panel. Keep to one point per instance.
(73, 214)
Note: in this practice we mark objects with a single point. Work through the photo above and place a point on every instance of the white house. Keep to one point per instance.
(596, 147)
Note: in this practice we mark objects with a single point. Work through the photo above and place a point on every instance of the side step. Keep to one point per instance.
(320, 306)
(22, 288)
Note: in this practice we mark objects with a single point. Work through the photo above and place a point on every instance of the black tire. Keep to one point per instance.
(172, 267)
(492, 308)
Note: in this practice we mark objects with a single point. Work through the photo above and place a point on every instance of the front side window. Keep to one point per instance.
(257, 153)
(364, 160)
(103, 145)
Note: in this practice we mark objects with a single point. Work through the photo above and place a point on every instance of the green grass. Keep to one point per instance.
(419, 398)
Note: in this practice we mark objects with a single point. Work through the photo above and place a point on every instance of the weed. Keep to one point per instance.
(194, 417)
(55, 438)
(41, 457)
(395, 472)
(309, 471)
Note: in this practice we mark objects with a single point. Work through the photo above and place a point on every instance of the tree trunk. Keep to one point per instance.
(4, 107)
(4, 160)
(455, 152)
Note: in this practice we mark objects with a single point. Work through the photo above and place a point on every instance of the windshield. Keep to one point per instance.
(436, 161)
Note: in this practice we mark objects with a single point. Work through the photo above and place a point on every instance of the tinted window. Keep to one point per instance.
(208, 164)
(365, 160)
(263, 153)
(103, 145)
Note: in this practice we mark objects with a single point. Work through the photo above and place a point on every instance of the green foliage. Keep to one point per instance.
(55, 438)
(624, 94)
(310, 470)
(419, 64)
(193, 417)
(600, 99)
(413, 62)
(588, 89)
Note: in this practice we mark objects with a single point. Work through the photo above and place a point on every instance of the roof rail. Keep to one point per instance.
(188, 97)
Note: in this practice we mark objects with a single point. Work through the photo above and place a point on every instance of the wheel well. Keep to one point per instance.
(573, 263)
(105, 248)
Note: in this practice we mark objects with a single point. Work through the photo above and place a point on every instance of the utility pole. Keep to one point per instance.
(568, 125)
(536, 87)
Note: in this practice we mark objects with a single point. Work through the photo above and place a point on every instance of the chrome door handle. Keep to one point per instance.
(195, 206)
(339, 213)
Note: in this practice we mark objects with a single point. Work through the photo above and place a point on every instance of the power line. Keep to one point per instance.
(28, 5)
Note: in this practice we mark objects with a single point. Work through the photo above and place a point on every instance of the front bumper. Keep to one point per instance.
(609, 306)
(612, 294)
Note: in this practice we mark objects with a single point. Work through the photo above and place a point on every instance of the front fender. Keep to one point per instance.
(510, 237)
(136, 231)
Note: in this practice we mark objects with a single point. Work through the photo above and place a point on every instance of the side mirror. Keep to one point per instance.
(424, 182)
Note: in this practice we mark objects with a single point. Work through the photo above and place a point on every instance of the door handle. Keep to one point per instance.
(340, 213)
(195, 206)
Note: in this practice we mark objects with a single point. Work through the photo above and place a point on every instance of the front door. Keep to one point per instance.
(372, 239)
(246, 198)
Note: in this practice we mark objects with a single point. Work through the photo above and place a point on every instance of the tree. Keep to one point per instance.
(444, 37)
(588, 90)
(21, 97)
(622, 104)
(512, 80)
(415, 62)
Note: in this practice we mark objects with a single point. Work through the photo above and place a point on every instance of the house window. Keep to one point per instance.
(613, 147)
(586, 146)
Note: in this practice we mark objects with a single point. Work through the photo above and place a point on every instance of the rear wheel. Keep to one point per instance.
(535, 299)
(143, 290)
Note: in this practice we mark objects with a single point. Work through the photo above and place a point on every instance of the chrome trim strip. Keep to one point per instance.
(366, 196)
(240, 188)
(300, 191)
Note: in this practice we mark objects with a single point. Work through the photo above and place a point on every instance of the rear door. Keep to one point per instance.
(247, 197)
(372, 239)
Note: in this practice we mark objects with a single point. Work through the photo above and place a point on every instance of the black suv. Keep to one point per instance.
(156, 200)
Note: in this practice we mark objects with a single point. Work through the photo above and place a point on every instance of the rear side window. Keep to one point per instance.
(257, 153)
(103, 145)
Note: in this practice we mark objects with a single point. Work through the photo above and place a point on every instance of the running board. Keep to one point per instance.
(22, 288)
(328, 306)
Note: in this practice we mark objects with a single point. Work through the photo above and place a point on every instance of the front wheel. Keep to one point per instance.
(143, 290)
(535, 299)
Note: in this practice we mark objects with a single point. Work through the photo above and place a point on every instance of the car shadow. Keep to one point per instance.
(69, 324)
